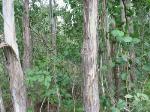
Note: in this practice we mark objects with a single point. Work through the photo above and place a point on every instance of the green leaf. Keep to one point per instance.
(138, 60)
(104, 67)
(146, 67)
(142, 96)
(114, 109)
(124, 76)
(121, 104)
(136, 98)
(112, 64)
(146, 44)
(125, 58)
(127, 39)
(1, 68)
(120, 39)
(128, 96)
(117, 33)
(47, 81)
(149, 54)
(136, 40)
(40, 78)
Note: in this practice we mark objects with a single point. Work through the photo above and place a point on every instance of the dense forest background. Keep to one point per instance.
(50, 37)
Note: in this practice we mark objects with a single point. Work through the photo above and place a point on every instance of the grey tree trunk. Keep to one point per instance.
(27, 56)
(89, 57)
(123, 13)
(2, 107)
(132, 52)
(53, 28)
(17, 86)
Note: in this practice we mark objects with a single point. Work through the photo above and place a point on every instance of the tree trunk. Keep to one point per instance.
(90, 90)
(116, 70)
(2, 107)
(27, 37)
(27, 55)
(53, 30)
(18, 90)
(132, 52)
(123, 14)
(53, 18)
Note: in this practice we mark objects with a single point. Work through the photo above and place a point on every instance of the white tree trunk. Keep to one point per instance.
(9, 25)
(91, 91)
(18, 90)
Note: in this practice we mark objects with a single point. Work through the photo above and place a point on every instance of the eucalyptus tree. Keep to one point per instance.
(17, 86)
(27, 56)
(89, 57)
(27, 51)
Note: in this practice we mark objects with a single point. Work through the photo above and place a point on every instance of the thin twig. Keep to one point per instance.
(42, 104)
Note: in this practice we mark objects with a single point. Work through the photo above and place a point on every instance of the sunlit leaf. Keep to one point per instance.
(114, 109)
(117, 33)
(121, 104)
(124, 76)
(136, 40)
(127, 39)
(146, 67)
(128, 96)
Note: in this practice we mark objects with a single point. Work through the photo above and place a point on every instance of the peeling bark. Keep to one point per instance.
(89, 57)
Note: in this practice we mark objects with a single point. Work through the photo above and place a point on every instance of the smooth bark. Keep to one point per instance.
(17, 86)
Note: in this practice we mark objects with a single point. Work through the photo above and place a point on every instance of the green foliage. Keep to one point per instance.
(120, 37)
(146, 67)
(127, 39)
(128, 96)
(115, 109)
(124, 76)
(141, 102)
(50, 73)
(120, 106)
(39, 76)
(117, 33)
